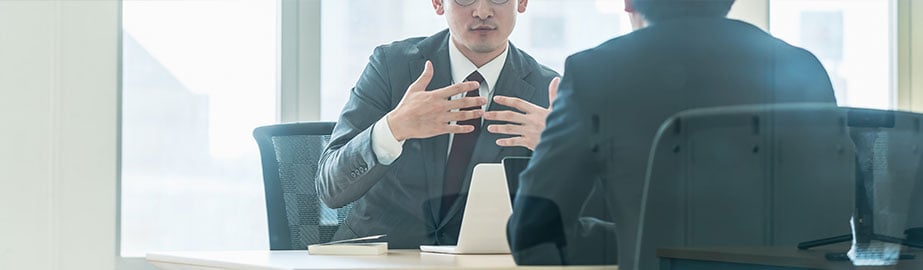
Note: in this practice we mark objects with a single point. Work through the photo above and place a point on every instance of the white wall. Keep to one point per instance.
(755, 12)
(58, 132)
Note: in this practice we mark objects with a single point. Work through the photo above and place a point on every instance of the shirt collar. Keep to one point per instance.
(462, 67)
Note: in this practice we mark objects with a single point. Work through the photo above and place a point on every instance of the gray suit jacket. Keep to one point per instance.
(610, 104)
(403, 199)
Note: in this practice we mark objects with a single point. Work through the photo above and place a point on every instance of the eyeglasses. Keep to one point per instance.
(469, 2)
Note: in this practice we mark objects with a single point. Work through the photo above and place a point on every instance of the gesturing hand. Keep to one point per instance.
(528, 126)
(424, 114)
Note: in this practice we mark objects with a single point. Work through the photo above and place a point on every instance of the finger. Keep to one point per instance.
(518, 104)
(467, 102)
(458, 129)
(506, 116)
(424, 79)
(456, 89)
(553, 91)
(462, 115)
(514, 141)
(507, 129)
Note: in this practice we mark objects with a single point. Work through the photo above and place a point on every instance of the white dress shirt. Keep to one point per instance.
(388, 149)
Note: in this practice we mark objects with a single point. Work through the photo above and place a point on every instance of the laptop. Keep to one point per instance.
(488, 207)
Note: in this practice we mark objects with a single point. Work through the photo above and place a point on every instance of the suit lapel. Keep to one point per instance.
(510, 83)
(435, 49)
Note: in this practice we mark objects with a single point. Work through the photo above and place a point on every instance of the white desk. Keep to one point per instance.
(300, 260)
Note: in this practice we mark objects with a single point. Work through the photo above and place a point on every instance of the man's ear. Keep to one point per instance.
(439, 7)
(522, 5)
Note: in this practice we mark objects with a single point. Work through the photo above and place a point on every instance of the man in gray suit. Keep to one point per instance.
(614, 98)
(424, 112)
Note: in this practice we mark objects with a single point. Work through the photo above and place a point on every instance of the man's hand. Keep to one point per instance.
(528, 126)
(424, 114)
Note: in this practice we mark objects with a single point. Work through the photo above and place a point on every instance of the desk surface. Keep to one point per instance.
(300, 260)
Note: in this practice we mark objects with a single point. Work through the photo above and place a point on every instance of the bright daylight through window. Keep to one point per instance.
(854, 39)
(198, 76)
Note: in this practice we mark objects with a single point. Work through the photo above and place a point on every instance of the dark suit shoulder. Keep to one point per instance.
(605, 55)
(795, 54)
(537, 75)
(414, 47)
(400, 48)
(539, 69)
(585, 57)
(588, 69)
(676, 40)
(541, 76)
(544, 72)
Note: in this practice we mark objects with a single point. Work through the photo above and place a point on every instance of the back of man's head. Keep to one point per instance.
(662, 10)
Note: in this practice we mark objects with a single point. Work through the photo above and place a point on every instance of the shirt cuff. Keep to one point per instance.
(387, 149)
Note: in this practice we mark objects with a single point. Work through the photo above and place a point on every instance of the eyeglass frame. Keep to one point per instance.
(466, 3)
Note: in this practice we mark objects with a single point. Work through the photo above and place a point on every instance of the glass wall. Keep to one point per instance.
(194, 87)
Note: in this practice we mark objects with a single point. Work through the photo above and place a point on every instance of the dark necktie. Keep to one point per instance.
(460, 153)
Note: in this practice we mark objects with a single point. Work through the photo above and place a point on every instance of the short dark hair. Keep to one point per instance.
(660, 10)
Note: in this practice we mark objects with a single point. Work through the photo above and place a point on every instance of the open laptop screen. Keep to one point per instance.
(513, 166)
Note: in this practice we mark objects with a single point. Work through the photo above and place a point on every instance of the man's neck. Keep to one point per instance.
(480, 59)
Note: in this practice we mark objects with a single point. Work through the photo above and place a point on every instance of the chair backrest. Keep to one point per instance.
(766, 175)
(290, 153)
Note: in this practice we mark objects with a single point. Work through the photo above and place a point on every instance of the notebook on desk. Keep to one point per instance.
(488, 207)
(355, 246)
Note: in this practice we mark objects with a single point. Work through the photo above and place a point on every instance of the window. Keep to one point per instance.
(854, 39)
(550, 30)
(198, 76)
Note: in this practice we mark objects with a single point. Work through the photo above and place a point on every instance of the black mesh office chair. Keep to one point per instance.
(290, 153)
(765, 176)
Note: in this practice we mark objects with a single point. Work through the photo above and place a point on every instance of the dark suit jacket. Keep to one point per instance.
(610, 104)
(403, 199)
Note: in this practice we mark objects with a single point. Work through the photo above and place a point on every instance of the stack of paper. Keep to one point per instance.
(356, 246)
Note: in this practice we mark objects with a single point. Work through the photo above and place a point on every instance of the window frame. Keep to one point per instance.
(909, 35)
(300, 57)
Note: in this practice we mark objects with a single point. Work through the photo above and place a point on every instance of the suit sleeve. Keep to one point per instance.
(820, 88)
(349, 167)
(545, 226)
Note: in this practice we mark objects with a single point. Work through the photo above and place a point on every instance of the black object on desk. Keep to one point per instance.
(865, 126)
(841, 256)
(915, 235)
(768, 258)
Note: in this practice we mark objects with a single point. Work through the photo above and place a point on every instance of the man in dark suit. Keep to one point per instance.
(612, 101)
(423, 114)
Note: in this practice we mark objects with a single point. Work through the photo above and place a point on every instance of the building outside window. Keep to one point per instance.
(194, 88)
